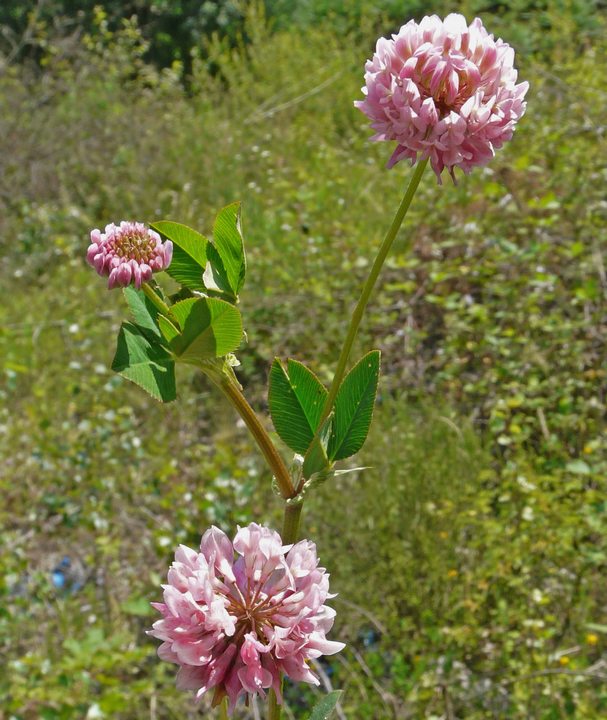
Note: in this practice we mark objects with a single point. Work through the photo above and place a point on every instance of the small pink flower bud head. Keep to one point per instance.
(236, 616)
(443, 90)
(128, 253)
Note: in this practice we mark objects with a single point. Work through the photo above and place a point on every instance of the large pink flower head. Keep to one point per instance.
(443, 90)
(128, 253)
(236, 624)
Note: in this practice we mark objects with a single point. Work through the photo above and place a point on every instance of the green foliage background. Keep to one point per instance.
(470, 558)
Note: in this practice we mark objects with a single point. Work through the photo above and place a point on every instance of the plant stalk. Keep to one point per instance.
(273, 706)
(229, 385)
(234, 394)
(290, 525)
(223, 709)
(153, 296)
(293, 512)
(359, 310)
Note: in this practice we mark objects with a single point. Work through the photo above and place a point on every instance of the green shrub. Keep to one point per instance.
(460, 591)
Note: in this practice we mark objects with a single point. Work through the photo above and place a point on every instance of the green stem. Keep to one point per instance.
(229, 385)
(293, 512)
(153, 296)
(273, 706)
(359, 310)
(290, 524)
(234, 394)
(223, 709)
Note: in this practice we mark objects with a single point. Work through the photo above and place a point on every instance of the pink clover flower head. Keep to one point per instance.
(237, 615)
(443, 90)
(128, 253)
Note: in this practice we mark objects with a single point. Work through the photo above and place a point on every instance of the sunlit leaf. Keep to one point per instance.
(145, 362)
(228, 242)
(317, 459)
(208, 327)
(354, 407)
(324, 708)
(296, 398)
(143, 310)
(189, 253)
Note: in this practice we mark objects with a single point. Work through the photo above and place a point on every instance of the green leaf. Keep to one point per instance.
(189, 253)
(317, 462)
(296, 398)
(182, 294)
(209, 328)
(578, 467)
(91, 643)
(324, 708)
(228, 241)
(145, 362)
(144, 312)
(354, 407)
(138, 606)
(215, 276)
(168, 330)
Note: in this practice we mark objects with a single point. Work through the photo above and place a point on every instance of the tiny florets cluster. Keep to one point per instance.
(236, 625)
(128, 253)
(443, 90)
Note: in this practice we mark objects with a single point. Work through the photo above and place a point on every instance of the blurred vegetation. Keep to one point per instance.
(176, 32)
(470, 559)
